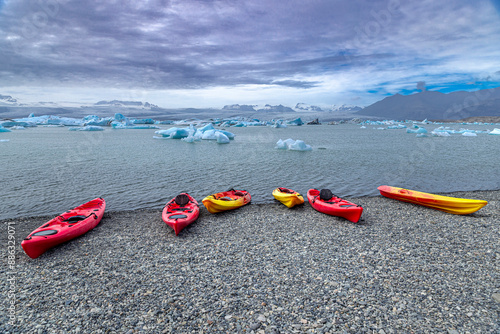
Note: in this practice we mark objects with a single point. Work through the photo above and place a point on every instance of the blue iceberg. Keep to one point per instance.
(87, 128)
(174, 133)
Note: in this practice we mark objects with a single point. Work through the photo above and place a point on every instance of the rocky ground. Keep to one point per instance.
(263, 269)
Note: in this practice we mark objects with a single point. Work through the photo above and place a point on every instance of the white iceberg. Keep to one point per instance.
(440, 134)
(293, 145)
(209, 135)
(469, 134)
(299, 145)
(221, 138)
(417, 130)
(495, 132)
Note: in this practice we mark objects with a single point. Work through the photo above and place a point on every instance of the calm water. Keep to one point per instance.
(49, 170)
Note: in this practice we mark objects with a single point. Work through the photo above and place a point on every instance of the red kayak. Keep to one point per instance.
(180, 212)
(64, 227)
(326, 202)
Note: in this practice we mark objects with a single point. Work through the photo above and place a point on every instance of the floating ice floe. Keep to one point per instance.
(2, 129)
(469, 134)
(143, 121)
(191, 134)
(495, 132)
(279, 124)
(296, 121)
(422, 135)
(174, 133)
(221, 138)
(440, 134)
(416, 130)
(293, 145)
(399, 126)
(87, 128)
(4, 140)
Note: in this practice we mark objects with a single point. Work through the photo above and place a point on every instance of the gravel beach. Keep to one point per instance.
(263, 269)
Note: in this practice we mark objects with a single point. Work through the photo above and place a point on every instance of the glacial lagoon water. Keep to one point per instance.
(47, 170)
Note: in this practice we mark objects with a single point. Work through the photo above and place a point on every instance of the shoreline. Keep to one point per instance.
(264, 268)
(470, 194)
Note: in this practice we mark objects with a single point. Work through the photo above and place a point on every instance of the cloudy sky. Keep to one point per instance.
(208, 53)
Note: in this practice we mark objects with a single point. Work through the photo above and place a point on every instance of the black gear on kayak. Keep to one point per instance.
(182, 199)
(325, 194)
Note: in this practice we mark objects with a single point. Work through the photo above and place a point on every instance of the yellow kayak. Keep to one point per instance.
(457, 206)
(288, 197)
(226, 200)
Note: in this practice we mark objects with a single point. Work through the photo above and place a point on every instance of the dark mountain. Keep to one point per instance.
(437, 106)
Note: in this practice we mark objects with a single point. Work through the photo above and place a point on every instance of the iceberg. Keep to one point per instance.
(122, 119)
(87, 128)
(417, 130)
(440, 134)
(96, 120)
(279, 125)
(221, 138)
(495, 132)
(207, 127)
(209, 135)
(296, 121)
(299, 145)
(469, 134)
(228, 134)
(2, 129)
(4, 140)
(174, 133)
(143, 121)
(293, 145)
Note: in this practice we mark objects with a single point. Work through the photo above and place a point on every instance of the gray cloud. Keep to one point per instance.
(172, 44)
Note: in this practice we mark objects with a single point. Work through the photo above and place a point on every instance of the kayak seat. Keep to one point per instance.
(74, 219)
(286, 191)
(181, 199)
(227, 198)
(325, 194)
(239, 193)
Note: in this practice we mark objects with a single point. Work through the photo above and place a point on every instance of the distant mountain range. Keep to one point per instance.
(436, 106)
(13, 108)
(429, 105)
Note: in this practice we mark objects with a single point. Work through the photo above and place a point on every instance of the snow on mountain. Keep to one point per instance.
(126, 104)
(279, 108)
(306, 107)
(242, 107)
(302, 107)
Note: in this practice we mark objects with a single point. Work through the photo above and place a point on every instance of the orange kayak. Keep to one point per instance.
(226, 200)
(457, 206)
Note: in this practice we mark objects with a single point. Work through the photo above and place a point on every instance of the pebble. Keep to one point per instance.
(266, 268)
